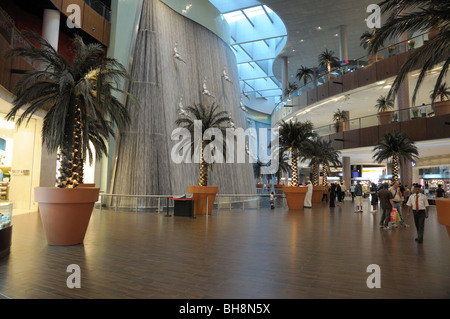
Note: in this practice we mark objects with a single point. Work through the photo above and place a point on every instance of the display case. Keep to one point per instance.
(5, 228)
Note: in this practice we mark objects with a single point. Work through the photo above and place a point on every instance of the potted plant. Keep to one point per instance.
(383, 105)
(443, 212)
(339, 117)
(313, 152)
(329, 157)
(291, 88)
(80, 109)
(283, 166)
(328, 60)
(395, 146)
(257, 173)
(293, 138)
(411, 44)
(442, 106)
(209, 117)
(366, 41)
(391, 50)
(305, 73)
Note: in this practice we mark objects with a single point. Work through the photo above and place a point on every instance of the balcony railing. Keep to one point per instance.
(100, 8)
(351, 66)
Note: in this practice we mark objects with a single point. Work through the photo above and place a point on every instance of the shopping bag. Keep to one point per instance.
(393, 215)
(397, 218)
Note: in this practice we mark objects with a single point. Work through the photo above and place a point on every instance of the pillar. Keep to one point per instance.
(50, 27)
(343, 44)
(346, 171)
(403, 103)
(50, 32)
(284, 75)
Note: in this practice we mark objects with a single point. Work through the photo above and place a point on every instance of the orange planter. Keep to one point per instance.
(443, 212)
(317, 194)
(441, 108)
(65, 213)
(204, 197)
(295, 197)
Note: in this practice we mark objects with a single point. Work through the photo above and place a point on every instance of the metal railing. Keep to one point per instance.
(100, 8)
(352, 66)
(165, 203)
(407, 114)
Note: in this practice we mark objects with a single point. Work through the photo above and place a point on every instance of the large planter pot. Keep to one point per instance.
(86, 185)
(295, 196)
(317, 194)
(278, 188)
(441, 108)
(386, 117)
(65, 213)
(204, 197)
(443, 212)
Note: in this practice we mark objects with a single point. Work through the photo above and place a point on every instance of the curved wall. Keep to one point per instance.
(143, 163)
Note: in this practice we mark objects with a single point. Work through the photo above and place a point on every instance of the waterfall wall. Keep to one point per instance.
(143, 164)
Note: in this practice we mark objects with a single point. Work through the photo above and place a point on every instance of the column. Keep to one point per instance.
(406, 172)
(346, 171)
(50, 27)
(343, 45)
(50, 32)
(284, 75)
(402, 98)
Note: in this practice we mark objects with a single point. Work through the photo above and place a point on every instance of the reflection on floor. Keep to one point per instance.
(321, 252)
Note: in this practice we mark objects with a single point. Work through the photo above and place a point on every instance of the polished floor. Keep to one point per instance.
(256, 254)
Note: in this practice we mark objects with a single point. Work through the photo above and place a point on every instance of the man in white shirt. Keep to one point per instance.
(418, 203)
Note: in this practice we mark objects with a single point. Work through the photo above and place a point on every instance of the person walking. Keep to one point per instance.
(358, 196)
(308, 197)
(397, 198)
(423, 110)
(325, 193)
(343, 190)
(272, 200)
(352, 191)
(374, 197)
(418, 203)
(440, 192)
(386, 203)
(338, 194)
(332, 194)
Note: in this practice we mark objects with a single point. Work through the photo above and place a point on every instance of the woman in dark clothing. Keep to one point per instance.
(374, 194)
(332, 194)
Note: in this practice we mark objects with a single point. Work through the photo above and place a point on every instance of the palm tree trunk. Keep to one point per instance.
(315, 173)
(395, 168)
(279, 176)
(78, 165)
(204, 166)
(325, 174)
(294, 171)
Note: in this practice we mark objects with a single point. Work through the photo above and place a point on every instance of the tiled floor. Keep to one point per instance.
(316, 253)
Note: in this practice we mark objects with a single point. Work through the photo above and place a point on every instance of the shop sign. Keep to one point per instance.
(20, 172)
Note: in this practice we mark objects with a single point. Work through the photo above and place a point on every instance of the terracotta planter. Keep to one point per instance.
(65, 213)
(203, 196)
(443, 212)
(295, 197)
(86, 185)
(441, 108)
(317, 194)
(386, 117)
(278, 188)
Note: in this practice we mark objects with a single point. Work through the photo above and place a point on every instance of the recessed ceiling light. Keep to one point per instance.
(301, 40)
(336, 35)
(319, 28)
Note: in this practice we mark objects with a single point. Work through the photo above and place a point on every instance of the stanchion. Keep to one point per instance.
(167, 208)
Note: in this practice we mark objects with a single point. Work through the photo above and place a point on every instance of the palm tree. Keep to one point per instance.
(383, 104)
(313, 153)
(294, 137)
(329, 157)
(283, 165)
(78, 99)
(395, 146)
(328, 59)
(305, 73)
(292, 87)
(257, 171)
(367, 38)
(211, 117)
(419, 15)
(443, 93)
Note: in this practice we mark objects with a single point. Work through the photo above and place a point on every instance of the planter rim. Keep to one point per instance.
(66, 195)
